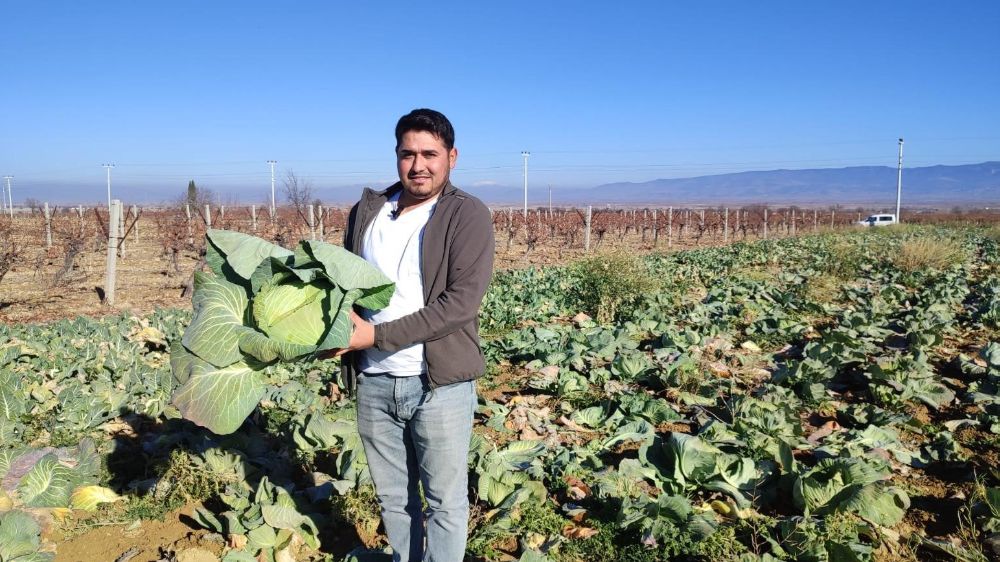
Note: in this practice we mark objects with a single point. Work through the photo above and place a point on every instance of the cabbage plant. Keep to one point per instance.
(261, 304)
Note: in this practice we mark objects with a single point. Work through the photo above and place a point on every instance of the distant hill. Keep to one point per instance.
(870, 186)
(931, 185)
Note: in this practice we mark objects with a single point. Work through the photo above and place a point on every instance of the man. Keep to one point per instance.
(415, 362)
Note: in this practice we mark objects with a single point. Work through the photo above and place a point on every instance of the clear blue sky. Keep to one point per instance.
(598, 92)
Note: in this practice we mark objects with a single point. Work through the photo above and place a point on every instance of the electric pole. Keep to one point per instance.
(899, 182)
(108, 167)
(10, 201)
(525, 154)
(272, 163)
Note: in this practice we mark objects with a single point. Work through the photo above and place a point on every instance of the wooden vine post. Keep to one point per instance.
(321, 229)
(656, 228)
(121, 230)
(187, 211)
(765, 223)
(586, 228)
(312, 223)
(670, 227)
(701, 225)
(725, 227)
(208, 216)
(114, 221)
(253, 217)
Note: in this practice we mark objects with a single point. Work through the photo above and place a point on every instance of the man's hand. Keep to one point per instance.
(362, 337)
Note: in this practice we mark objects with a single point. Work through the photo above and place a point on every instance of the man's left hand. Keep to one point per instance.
(363, 336)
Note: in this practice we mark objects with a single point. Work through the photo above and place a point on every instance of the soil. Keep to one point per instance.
(151, 541)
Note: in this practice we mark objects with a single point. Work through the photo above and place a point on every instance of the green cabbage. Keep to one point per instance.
(262, 304)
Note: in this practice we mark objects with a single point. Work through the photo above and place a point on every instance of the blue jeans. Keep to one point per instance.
(412, 434)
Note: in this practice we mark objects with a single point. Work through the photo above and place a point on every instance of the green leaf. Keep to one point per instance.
(48, 483)
(349, 271)
(693, 459)
(992, 499)
(849, 484)
(493, 490)
(321, 432)
(291, 311)
(239, 556)
(20, 538)
(531, 555)
(242, 252)
(208, 520)
(341, 326)
(589, 417)
(885, 506)
(218, 322)
(635, 430)
(517, 455)
(991, 354)
(282, 516)
(182, 362)
(7, 458)
(12, 403)
(262, 537)
(220, 399)
(675, 508)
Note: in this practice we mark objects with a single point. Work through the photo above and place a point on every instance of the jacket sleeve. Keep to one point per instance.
(352, 217)
(470, 269)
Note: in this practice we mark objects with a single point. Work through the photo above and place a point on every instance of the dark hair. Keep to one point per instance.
(433, 122)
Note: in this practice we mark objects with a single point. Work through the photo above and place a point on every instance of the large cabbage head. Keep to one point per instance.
(261, 304)
(290, 310)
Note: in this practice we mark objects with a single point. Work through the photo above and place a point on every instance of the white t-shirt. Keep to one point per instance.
(393, 246)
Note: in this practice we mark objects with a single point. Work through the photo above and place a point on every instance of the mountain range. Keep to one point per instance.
(870, 186)
(968, 184)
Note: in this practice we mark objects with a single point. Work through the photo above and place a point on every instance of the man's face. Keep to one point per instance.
(424, 164)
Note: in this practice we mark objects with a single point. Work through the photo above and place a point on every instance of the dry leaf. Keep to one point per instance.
(576, 489)
(827, 428)
(577, 532)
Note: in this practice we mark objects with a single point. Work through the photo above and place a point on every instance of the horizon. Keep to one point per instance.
(345, 195)
(210, 93)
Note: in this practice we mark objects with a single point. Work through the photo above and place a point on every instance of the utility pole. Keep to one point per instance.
(108, 167)
(272, 163)
(9, 200)
(899, 182)
(525, 154)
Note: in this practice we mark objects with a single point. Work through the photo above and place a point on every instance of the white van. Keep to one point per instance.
(879, 220)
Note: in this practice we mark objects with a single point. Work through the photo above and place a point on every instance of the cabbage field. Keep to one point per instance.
(832, 397)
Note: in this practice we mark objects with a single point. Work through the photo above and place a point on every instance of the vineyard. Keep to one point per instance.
(53, 260)
(822, 397)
